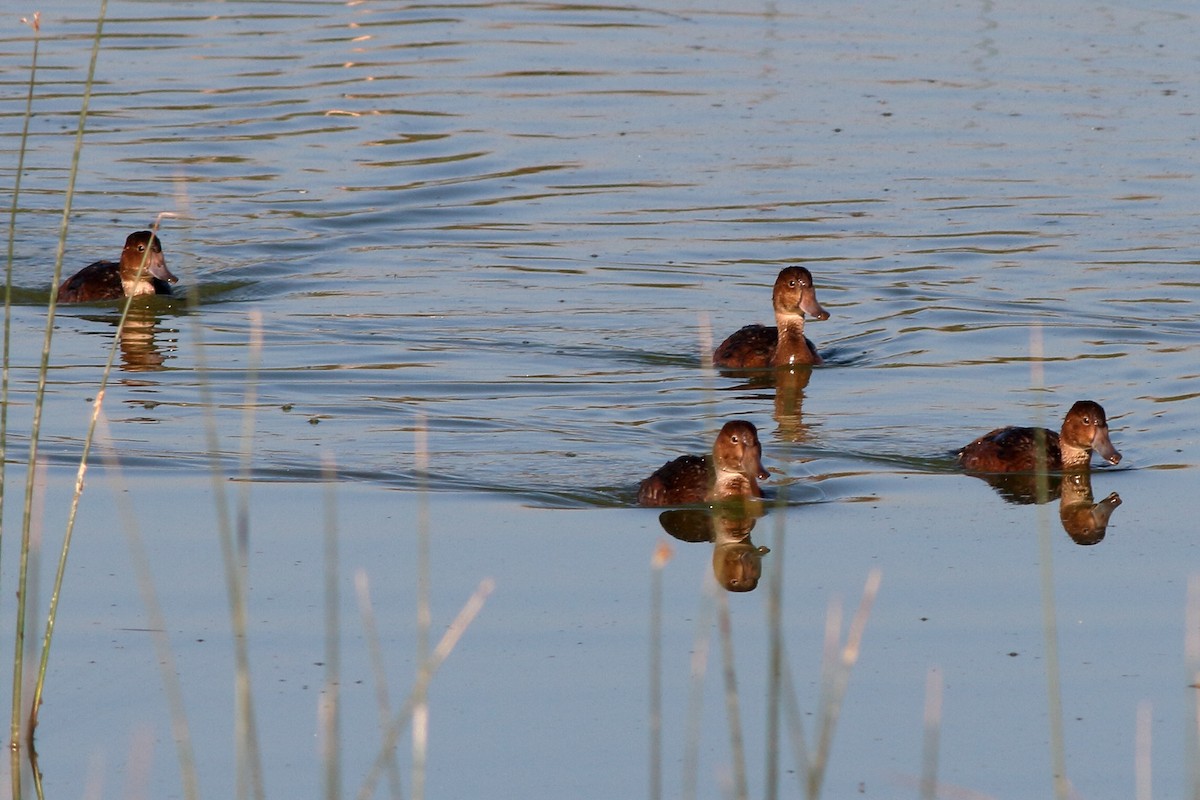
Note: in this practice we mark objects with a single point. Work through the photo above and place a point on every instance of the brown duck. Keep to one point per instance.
(108, 280)
(784, 344)
(731, 471)
(1029, 449)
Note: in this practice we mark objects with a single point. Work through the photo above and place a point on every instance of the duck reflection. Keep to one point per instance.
(1083, 519)
(736, 560)
(788, 385)
(141, 350)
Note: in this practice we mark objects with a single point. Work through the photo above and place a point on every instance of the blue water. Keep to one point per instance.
(520, 227)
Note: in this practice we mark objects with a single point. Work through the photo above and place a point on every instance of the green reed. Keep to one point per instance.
(662, 554)
(331, 732)
(248, 768)
(1058, 757)
(35, 24)
(156, 622)
(775, 649)
(35, 428)
(187, 762)
(383, 703)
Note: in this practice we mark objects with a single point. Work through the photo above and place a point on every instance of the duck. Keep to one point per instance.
(784, 344)
(731, 471)
(108, 280)
(1014, 449)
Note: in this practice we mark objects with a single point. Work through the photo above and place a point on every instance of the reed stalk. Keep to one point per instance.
(330, 713)
(60, 573)
(35, 23)
(383, 703)
(1142, 773)
(156, 621)
(38, 406)
(662, 554)
(837, 663)
(425, 674)
(737, 744)
(248, 761)
(933, 729)
(420, 719)
(1054, 710)
(775, 650)
(1191, 649)
(838, 671)
(699, 667)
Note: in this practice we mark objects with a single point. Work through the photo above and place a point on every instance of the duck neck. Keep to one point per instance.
(133, 288)
(792, 348)
(733, 484)
(791, 326)
(1073, 456)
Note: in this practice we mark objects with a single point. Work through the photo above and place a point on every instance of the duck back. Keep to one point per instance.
(97, 281)
(1012, 449)
(680, 482)
(752, 347)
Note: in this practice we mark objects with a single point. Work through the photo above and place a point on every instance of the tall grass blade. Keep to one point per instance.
(732, 709)
(775, 649)
(933, 729)
(330, 716)
(60, 573)
(662, 554)
(440, 653)
(1054, 709)
(1058, 758)
(39, 401)
(420, 720)
(795, 718)
(1143, 785)
(691, 746)
(1191, 649)
(836, 665)
(156, 621)
(383, 703)
(36, 24)
(832, 703)
(248, 763)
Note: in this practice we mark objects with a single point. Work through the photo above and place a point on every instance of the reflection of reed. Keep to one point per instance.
(1083, 519)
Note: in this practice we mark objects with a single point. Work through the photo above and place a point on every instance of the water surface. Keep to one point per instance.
(521, 226)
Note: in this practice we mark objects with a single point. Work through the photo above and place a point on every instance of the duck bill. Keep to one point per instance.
(810, 306)
(752, 462)
(157, 267)
(1102, 445)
